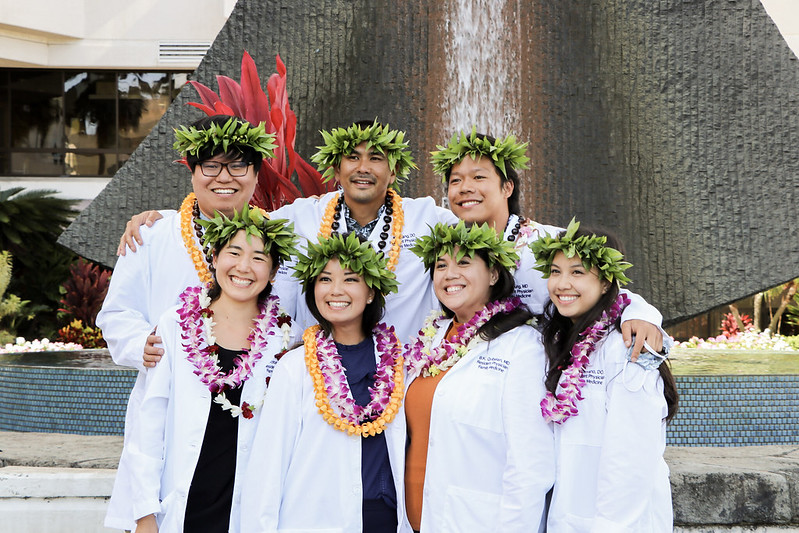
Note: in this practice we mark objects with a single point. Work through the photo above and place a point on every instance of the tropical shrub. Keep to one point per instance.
(748, 340)
(12, 308)
(78, 333)
(84, 291)
(30, 223)
(729, 326)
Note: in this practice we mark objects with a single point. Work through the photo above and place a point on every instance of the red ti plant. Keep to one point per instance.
(729, 325)
(84, 291)
(247, 100)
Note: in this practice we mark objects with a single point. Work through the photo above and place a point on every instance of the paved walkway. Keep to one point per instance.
(735, 489)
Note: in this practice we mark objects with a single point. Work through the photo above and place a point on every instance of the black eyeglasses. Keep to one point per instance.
(235, 168)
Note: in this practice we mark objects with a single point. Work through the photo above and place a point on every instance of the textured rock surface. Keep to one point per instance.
(673, 122)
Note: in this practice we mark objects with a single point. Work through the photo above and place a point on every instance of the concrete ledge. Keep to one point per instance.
(736, 486)
(56, 500)
(38, 482)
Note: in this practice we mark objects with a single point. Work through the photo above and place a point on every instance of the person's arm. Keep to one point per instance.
(642, 321)
(132, 236)
(148, 440)
(147, 524)
(124, 317)
(530, 469)
(630, 460)
(272, 449)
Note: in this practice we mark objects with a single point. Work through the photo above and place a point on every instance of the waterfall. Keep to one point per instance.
(482, 68)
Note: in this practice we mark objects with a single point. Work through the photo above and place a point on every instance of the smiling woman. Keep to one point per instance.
(478, 459)
(598, 398)
(329, 449)
(202, 401)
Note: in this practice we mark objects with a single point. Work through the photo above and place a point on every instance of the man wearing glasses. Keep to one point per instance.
(224, 154)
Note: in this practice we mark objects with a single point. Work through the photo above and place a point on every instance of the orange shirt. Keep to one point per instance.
(418, 404)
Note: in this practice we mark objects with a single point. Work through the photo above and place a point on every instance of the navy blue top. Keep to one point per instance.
(360, 366)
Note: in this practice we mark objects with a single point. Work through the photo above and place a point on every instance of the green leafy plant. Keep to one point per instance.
(30, 223)
(12, 308)
(78, 333)
(84, 291)
(248, 100)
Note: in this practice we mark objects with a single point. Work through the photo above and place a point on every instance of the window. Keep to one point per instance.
(75, 123)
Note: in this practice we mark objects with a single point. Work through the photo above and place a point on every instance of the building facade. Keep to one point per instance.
(83, 82)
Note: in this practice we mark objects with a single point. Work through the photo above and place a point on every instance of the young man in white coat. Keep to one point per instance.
(147, 282)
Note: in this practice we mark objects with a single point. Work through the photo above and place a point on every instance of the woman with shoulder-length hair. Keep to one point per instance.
(328, 453)
(609, 413)
(479, 458)
(202, 402)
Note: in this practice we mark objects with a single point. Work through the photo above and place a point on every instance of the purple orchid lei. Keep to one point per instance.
(338, 390)
(428, 361)
(196, 322)
(559, 407)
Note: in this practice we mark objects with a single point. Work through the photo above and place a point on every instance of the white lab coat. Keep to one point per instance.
(611, 476)
(531, 286)
(305, 475)
(174, 411)
(490, 457)
(144, 285)
(406, 309)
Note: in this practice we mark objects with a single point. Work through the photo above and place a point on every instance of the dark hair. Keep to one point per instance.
(509, 176)
(503, 288)
(238, 152)
(560, 334)
(372, 313)
(215, 290)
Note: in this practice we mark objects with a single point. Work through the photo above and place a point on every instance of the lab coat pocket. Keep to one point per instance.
(470, 510)
(480, 406)
(587, 428)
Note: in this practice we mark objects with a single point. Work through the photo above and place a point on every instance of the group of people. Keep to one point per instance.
(367, 362)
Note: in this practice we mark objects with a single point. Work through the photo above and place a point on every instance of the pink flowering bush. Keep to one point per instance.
(748, 340)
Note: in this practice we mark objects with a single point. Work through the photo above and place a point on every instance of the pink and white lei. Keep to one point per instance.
(559, 407)
(338, 390)
(197, 325)
(428, 361)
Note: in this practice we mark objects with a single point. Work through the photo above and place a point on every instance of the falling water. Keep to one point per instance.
(482, 68)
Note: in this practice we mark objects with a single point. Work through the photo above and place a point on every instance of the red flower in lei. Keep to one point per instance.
(559, 407)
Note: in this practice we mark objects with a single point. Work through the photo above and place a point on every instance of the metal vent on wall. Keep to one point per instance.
(182, 52)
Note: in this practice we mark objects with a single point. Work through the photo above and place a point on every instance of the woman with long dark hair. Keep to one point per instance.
(479, 458)
(609, 413)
